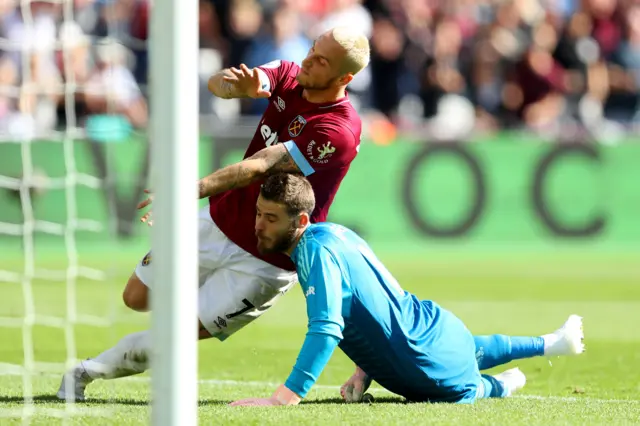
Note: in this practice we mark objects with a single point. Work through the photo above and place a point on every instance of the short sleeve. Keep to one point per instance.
(322, 146)
(272, 73)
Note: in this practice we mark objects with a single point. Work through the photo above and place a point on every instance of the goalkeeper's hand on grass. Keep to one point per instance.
(282, 396)
(354, 388)
(255, 402)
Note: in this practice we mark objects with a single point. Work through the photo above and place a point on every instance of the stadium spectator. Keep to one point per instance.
(529, 64)
(112, 88)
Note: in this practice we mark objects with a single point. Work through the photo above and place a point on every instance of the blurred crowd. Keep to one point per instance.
(65, 62)
(447, 66)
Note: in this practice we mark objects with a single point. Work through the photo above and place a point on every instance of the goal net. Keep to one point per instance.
(74, 157)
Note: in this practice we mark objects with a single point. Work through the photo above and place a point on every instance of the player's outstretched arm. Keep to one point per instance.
(267, 161)
(322, 282)
(316, 351)
(239, 83)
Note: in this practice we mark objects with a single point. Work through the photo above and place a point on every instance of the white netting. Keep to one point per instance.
(42, 76)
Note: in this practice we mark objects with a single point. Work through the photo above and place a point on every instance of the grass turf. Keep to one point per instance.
(522, 295)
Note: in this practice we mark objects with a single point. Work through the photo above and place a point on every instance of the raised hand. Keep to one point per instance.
(246, 81)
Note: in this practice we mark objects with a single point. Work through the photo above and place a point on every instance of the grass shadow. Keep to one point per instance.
(380, 400)
(325, 401)
(205, 402)
(52, 399)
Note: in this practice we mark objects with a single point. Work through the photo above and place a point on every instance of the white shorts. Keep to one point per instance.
(235, 286)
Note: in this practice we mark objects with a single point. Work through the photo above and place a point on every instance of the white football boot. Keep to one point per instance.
(567, 340)
(513, 380)
(78, 379)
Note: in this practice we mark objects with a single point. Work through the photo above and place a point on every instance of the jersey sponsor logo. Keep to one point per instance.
(310, 291)
(272, 64)
(320, 153)
(296, 126)
(147, 259)
(279, 104)
(270, 137)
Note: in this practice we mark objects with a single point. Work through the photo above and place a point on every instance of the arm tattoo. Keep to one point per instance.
(268, 161)
(221, 88)
(282, 163)
(226, 89)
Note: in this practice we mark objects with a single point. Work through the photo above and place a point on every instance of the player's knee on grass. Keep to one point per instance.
(136, 294)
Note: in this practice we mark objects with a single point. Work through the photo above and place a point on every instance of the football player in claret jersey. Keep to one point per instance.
(412, 347)
(310, 128)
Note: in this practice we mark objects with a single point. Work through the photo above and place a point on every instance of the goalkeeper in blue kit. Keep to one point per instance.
(411, 347)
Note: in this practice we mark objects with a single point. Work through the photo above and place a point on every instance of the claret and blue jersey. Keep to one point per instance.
(411, 347)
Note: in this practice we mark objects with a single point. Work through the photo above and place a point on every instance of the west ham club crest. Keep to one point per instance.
(296, 126)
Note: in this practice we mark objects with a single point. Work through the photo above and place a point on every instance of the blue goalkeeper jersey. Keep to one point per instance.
(411, 347)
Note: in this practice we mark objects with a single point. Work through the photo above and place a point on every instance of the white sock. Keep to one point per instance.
(549, 340)
(128, 357)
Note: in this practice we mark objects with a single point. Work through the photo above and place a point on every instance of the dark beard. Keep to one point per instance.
(284, 242)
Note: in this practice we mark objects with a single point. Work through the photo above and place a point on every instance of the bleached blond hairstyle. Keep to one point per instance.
(356, 46)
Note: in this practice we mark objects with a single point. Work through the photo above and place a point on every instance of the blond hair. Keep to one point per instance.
(356, 46)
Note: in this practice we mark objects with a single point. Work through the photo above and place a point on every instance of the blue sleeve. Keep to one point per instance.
(321, 280)
(299, 158)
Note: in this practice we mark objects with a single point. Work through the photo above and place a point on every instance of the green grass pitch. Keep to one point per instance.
(517, 294)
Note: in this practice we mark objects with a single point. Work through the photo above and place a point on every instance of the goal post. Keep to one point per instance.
(174, 166)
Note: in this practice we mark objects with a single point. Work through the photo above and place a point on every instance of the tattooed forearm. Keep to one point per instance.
(277, 160)
(226, 89)
(271, 160)
(230, 177)
(223, 89)
(285, 164)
